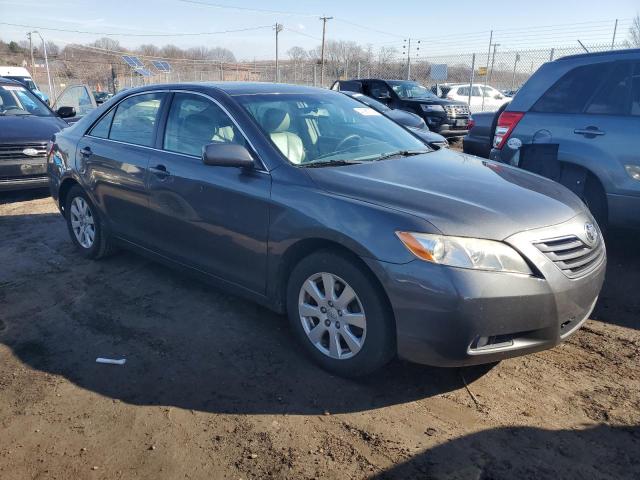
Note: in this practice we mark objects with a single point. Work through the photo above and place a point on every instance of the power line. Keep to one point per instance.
(248, 9)
(111, 34)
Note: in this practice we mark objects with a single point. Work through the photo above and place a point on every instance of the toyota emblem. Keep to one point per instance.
(591, 233)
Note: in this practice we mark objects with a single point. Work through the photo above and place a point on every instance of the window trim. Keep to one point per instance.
(162, 123)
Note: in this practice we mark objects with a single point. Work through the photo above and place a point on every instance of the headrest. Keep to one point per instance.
(276, 120)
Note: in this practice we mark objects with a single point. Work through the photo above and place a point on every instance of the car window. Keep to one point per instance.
(635, 90)
(17, 100)
(615, 96)
(571, 93)
(101, 129)
(135, 119)
(308, 128)
(475, 92)
(195, 121)
(379, 90)
(464, 91)
(76, 97)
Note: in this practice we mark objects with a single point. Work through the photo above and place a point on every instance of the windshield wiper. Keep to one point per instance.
(332, 163)
(401, 153)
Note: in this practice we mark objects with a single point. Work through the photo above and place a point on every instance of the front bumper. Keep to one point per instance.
(21, 172)
(624, 210)
(454, 317)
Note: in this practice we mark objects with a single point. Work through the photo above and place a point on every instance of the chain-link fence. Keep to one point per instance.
(503, 70)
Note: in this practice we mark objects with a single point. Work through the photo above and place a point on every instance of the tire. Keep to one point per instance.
(95, 243)
(371, 337)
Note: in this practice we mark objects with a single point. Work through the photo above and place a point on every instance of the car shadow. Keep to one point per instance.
(619, 302)
(527, 453)
(23, 195)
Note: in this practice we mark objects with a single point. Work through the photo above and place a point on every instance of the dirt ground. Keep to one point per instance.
(215, 387)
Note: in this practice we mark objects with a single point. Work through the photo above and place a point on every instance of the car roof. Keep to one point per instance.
(625, 52)
(249, 88)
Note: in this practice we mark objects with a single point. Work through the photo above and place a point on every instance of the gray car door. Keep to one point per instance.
(113, 160)
(212, 218)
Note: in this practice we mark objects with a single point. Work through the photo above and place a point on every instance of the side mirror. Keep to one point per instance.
(227, 155)
(99, 102)
(66, 112)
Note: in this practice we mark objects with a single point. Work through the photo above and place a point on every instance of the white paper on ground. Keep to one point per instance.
(111, 361)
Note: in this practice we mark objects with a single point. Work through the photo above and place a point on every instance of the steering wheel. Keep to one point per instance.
(353, 138)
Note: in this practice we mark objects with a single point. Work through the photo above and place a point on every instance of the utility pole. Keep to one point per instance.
(33, 64)
(493, 60)
(278, 28)
(515, 64)
(615, 29)
(324, 30)
(486, 73)
(407, 50)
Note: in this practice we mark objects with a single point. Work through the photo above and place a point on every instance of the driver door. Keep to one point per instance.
(214, 219)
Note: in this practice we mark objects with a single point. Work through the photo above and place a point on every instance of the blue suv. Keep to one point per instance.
(578, 118)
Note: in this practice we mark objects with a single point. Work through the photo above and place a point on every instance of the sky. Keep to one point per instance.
(443, 27)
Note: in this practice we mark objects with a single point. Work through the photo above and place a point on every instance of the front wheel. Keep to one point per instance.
(338, 313)
(87, 232)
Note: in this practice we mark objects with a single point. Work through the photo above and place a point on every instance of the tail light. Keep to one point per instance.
(471, 123)
(50, 148)
(507, 121)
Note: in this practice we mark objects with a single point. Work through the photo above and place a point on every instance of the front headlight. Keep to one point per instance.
(432, 108)
(465, 252)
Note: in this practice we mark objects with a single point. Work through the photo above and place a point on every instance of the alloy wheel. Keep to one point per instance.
(82, 222)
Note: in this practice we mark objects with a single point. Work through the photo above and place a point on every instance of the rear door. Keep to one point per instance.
(212, 218)
(592, 114)
(113, 159)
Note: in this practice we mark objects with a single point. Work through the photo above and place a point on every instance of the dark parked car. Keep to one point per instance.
(301, 199)
(407, 119)
(482, 127)
(26, 126)
(446, 117)
(577, 121)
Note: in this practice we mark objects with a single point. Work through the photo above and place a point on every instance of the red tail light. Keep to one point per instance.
(507, 121)
(471, 123)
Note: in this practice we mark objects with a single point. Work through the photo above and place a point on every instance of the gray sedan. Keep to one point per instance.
(317, 206)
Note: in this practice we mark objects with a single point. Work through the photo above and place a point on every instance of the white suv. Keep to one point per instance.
(493, 99)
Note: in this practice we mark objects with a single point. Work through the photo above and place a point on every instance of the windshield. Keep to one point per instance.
(411, 90)
(327, 127)
(376, 105)
(17, 100)
(26, 81)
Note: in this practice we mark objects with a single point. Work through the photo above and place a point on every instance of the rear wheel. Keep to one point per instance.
(85, 227)
(338, 314)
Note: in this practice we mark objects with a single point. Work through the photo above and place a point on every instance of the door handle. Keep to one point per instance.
(86, 152)
(159, 170)
(589, 131)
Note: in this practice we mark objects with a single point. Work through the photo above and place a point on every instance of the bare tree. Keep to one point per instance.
(297, 54)
(149, 50)
(107, 43)
(634, 33)
(386, 55)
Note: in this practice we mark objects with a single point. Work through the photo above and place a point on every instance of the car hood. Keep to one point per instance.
(432, 101)
(407, 119)
(28, 128)
(458, 194)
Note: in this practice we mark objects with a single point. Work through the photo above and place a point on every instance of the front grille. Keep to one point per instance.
(457, 110)
(16, 150)
(572, 255)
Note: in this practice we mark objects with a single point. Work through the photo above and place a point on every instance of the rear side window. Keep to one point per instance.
(616, 96)
(573, 91)
(135, 119)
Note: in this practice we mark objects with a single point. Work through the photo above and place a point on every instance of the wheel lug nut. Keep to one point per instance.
(323, 309)
(327, 322)
(337, 324)
(330, 303)
(340, 313)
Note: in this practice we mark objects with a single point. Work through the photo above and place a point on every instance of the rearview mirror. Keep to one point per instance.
(227, 155)
(66, 112)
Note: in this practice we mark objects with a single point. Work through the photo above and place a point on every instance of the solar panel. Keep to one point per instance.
(143, 71)
(132, 61)
(161, 66)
